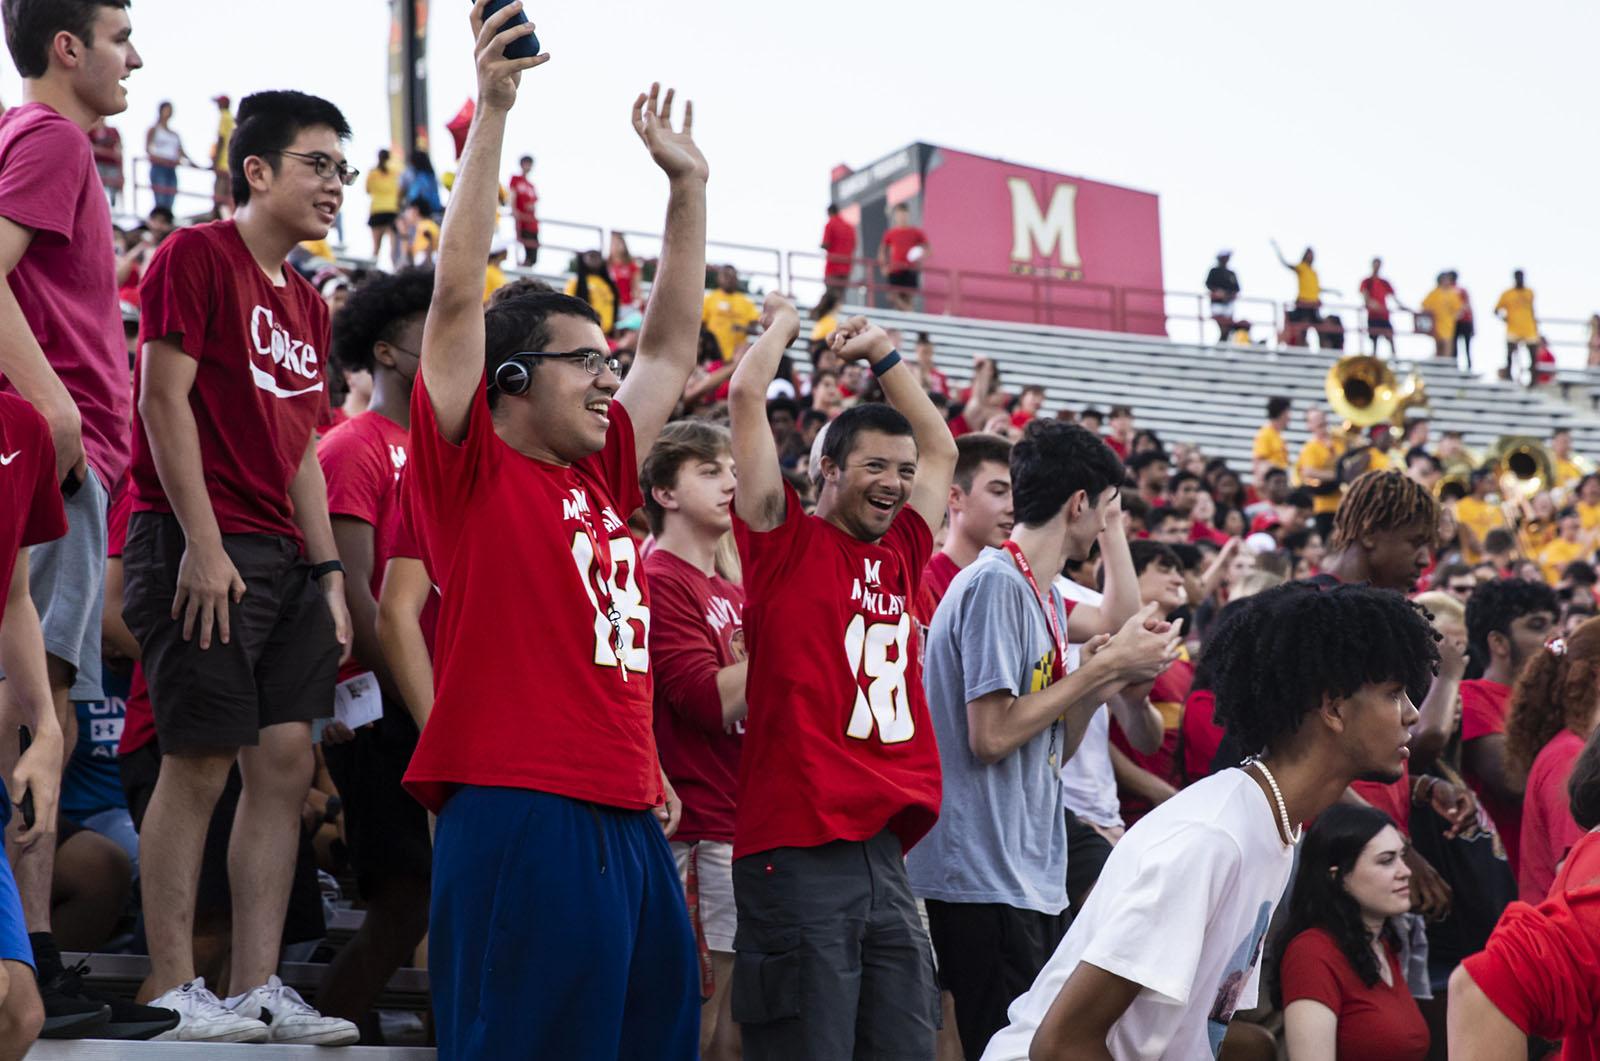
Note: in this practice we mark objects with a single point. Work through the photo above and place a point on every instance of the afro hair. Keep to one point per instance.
(375, 312)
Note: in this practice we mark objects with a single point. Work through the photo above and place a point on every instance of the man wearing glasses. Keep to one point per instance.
(558, 923)
(233, 584)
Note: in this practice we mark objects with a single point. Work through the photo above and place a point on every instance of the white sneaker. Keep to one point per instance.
(289, 1020)
(203, 1018)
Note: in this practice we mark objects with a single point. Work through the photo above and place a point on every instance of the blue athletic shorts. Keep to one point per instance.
(558, 930)
(14, 944)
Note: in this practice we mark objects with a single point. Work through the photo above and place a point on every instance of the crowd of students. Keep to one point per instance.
(681, 719)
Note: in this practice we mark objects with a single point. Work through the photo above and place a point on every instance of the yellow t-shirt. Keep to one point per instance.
(601, 298)
(224, 134)
(726, 316)
(1482, 517)
(1379, 461)
(1318, 454)
(1567, 472)
(1557, 555)
(1445, 306)
(318, 248)
(1310, 288)
(383, 189)
(825, 327)
(493, 280)
(1269, 446)
(426, 238)
(1589, 514)
(1517, 302)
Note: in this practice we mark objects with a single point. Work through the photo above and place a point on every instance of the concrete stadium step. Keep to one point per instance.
(109, 1050)
(121, 974)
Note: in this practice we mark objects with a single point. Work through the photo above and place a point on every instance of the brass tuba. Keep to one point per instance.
(1522, 467)
(1364, 392)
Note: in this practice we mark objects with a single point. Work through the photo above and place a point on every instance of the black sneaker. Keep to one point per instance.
(129, 1020)
(67, 1014)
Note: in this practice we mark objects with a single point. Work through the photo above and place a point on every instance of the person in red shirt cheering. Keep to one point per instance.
(539, 756)
(233, 584)
(1508, 622)
(840, 774)
(378, 331)
(901, 257)
(1376, 293)
(1342, 986)
(1537, 976)
(697, 649)
(980, 517)
(525, 211)
(839, 242)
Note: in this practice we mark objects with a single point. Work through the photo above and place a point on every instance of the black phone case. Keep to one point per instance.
(523, 47)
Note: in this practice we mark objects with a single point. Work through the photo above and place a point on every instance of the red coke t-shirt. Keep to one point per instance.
(901, 241)
(1548, 830)
(66, 281)
(1538, 967)
(696, 629)
(361, 461)
(533, 688)
(1383, 1015)
(839, 240)
(30, 497)
(1483, 713)
(258, 387)
(839, 744)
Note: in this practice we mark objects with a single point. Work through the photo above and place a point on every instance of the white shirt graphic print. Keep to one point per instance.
(280, 364)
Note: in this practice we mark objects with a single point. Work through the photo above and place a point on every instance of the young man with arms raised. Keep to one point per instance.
(840, 775)
(979, 514)
(697, 651)
(1319, 684)
(557, 919)
(233, 584)
(1007, 713)
(62, 349)
(378, 331)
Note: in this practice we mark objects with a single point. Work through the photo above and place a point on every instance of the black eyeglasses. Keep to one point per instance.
(326, 167)
(592, 359)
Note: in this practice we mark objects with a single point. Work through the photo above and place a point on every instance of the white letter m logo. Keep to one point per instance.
(1055, 231)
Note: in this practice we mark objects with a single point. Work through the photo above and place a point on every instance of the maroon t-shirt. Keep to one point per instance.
(258, 387)
(30, 497)
(66, 281)
(697, 629)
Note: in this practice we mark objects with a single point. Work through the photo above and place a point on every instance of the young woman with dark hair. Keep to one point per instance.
(1343, 988)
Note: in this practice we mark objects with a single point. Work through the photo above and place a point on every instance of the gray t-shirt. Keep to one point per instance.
(1001, 835)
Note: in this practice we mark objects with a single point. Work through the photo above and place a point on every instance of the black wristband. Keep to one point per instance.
(885, 363)
(327, 567)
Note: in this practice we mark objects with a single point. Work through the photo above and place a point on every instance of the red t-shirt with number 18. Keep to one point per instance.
(838, 744)
(533, 689)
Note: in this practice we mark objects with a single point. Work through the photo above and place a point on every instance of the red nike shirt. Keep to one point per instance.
(839, 744)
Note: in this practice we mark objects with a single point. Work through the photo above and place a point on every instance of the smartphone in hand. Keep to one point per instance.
(25, 738)
(523, 47)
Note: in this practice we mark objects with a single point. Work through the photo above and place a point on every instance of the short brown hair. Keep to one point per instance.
(681, 442)
(975, 450)
(32, 24)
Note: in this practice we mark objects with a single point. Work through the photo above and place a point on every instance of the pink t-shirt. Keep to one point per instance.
(1548, 831)
(258, 388)
(66, 281)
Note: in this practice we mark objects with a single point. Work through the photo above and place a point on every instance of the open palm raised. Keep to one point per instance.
(675, 152)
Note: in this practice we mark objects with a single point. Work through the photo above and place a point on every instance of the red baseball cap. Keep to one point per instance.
(221, 101)
(1264, 522)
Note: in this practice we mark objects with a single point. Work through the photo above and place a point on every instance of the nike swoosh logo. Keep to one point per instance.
(7, 458)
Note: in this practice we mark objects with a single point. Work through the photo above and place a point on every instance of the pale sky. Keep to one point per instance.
(1433, 135)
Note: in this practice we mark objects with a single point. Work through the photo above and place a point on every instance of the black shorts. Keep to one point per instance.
(989, 953)
(1087, 852)
(213, 899)
(1464, 330)
(905, 278)
(1379, 326)
(385, 219)
(1304, 315)
(528, 235)
(386, 829)
(279, 664)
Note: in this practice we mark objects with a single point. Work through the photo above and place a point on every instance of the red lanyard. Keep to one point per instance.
(1059, 668)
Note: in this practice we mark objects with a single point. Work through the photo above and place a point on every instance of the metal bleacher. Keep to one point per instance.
(1215, 396)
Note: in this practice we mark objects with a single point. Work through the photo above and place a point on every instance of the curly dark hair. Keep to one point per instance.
(1553, 692)
(1381, 501)
(375, 312)
(1496, 604)
(1319, 899)
(1054, 460)
(1271, 660)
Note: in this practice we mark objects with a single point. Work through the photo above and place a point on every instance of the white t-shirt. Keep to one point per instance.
(1181, 908)
(1088, 785)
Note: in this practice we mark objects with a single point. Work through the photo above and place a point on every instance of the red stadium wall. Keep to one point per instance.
(1013, 242)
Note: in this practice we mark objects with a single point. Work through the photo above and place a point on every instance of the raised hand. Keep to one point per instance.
(498, 76)
(858, 339)
(674, 151)
(778, 313)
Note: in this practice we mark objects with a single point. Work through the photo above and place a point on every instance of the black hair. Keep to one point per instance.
(833, 208)
(1499, 540)
(1054, 460)
(1161, 513)
(421, 162)
(1135, 507)
(522, 285)
(1583, 787)
(1496, 604)
(1319, 899)
(523, 323)
(840, 441)
(1183, 477)
(31, 26)
(1274, 472)
(1283, 650)
(1276, 407)
(808, 417)
(781, 404)
(1580, 573)
(375, 312)
(973, 451)
(1214, 465)
(581, 273)
(1146, 434)
(1299, 498)
(524, 158)
(164, 213)
(1146, 552)
(1140, 461)
(268, 123)
(1089, 411)
(1296, 541)
(1120, 410)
